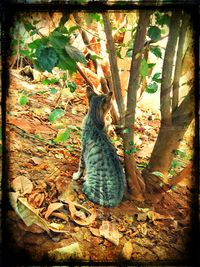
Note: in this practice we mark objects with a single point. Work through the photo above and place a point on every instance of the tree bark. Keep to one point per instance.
(165, 98)
(174, 123)
(114, 67)
(179, 59)
(135, 183)
(169, 137)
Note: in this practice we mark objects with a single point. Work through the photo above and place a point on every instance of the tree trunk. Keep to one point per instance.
(163, 153)
(175, 118)
(135, 183)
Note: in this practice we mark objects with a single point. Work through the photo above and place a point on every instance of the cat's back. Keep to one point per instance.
(105, 181)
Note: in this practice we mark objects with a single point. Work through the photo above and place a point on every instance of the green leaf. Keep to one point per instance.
(62, 136)
(72, 86)
(75, 54)
(72, 29)
(23, 100)
(95, 16)
(176, 163)
(126, 131)
(159, 174)
(93, 57)
(152, 88)
(37, 66)
(151, 65)
(156, 51)
(173, 187)
(161, 184)
(156, 77)
(28, 26)
(24, 53)
(129, 52)
(64, 19)
(58, 40)
(154, 33)
(162, 19)
(53, 91)
(36, 22)
(46, 58)
(118, 53)
(131, 143)
(50, 81)
(131, 151)
(66, 62)
(56, 114)
(180, 153)
(144, 68)
(34, 32)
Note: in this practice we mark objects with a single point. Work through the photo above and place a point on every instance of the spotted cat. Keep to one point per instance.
(104, 181)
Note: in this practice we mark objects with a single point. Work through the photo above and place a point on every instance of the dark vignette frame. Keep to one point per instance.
(9, 8)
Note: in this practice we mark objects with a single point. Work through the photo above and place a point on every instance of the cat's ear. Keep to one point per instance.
(90, 92)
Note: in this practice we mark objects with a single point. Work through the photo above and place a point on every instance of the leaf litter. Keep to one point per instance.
(45, 199)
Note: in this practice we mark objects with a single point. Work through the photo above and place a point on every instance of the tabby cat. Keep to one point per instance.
(104, 181)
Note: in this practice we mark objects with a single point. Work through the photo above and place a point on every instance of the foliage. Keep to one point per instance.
(47, 52)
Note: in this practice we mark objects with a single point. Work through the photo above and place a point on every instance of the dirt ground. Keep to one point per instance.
(48, 210)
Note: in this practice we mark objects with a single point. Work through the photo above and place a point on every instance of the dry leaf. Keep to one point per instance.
(110, 232)
(127, 250)
(80, 214)
(52, 207)
(70, 252)
(95, 231)
(22, 184)
(29, 215)
(142, 217)
(142, 228)
(37, 160)
(36, 199)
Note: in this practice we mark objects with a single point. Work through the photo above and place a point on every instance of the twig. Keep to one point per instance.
(84, 76)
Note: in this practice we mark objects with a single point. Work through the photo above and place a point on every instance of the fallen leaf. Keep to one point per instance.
(51, 208)
(80, 214)
(70, 252)
(110, 232)
(36, 199)
(37, 160)
(95, 231)
(142, 228)
(22, 184)
(127, 250)
(141, 217)
(30, 216)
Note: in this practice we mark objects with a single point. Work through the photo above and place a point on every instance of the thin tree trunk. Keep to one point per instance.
(165, 98)
(165, 141)
(103, 81)
(177, 75)
(135, 184)
(114, 67)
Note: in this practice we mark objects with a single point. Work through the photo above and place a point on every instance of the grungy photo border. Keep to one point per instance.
(10, 8)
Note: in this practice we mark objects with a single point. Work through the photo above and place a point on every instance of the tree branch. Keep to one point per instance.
(133, 84)
(84, 76)
(114, 67)
(97, 66)
(177, 75)
(165, 98)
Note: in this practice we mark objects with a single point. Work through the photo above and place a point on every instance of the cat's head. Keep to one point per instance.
(99, 105)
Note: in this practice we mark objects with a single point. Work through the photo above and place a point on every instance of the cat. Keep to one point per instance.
(105, 180)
